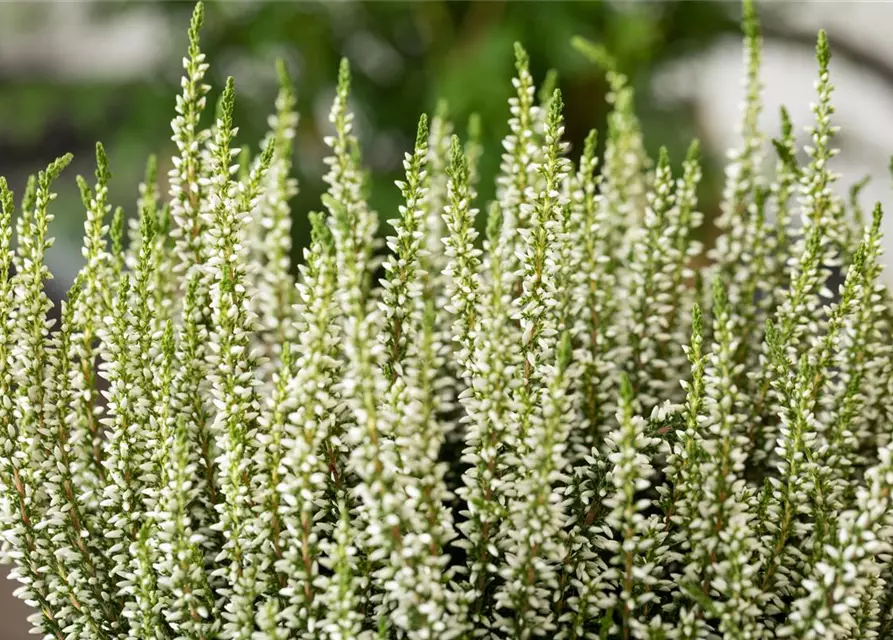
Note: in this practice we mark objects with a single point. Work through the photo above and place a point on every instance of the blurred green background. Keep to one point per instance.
(108, 71)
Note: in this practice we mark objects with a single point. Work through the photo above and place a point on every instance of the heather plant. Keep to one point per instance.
(562, 429)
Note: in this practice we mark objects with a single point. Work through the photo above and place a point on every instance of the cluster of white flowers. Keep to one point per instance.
(213, 444)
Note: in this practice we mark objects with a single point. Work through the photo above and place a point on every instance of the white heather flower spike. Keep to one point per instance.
(651, 287)
(633, 535)
(719, 513)
(463, 269)
(433, 256)
(540, 435)
(686, 249)
(189, 604)
(26, 404)
(681, 495)
(541, 267)
(311, 466)
(126, 457)
(535, 549)
(189, 403)
(144, 344)
(590, 289)
(403, 288)
(353, 224)
(90, 307)
(275, 283)
(7, 207)
(737, 244)
(234, 387)
(787, 173)
(814, 254)
(74, 530)
(186, 192)
(862, 360)
(486, 400)
(436, 177)
(848, 565)
(517, 171)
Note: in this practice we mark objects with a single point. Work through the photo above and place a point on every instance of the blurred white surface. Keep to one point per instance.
(66, 40)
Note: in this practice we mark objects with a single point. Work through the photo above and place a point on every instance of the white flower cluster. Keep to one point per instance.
(542, 434)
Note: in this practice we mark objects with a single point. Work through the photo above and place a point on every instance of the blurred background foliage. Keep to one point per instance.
(406, 57)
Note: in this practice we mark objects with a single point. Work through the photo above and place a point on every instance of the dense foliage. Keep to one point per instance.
(566, 432)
